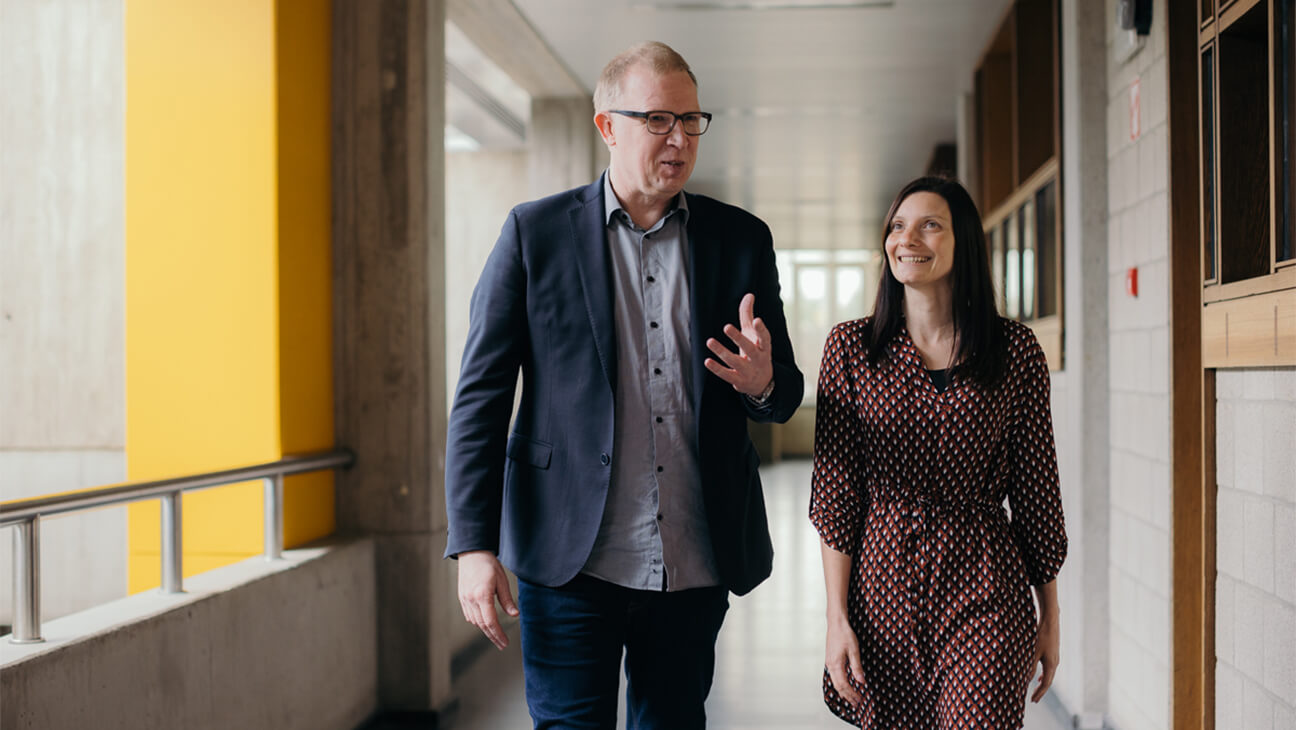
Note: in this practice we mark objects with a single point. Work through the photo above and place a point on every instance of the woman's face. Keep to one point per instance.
(920, 242)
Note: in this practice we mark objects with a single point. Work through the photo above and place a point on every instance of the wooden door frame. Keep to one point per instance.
(1192, 398)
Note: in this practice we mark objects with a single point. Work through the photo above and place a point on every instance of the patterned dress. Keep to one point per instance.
(912, 484)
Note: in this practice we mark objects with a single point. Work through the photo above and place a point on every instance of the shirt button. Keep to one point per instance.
(660, 469)
(653, 325)
(656, 371)
(651, 280)
(659, 517)
(604, 459)
(659, 419)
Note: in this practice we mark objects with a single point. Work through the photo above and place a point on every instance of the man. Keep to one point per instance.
(626, 498)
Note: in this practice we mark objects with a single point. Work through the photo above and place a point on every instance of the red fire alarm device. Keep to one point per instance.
(1131, 281)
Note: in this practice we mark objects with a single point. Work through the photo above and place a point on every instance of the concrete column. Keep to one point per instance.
(389, 331)
(1081, 401)
(564, 145)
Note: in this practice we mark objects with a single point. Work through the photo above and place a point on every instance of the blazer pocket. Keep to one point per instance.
(529, 451)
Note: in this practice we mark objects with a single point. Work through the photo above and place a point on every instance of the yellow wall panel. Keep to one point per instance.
(303, 55)
(229, 298)
(202, 377)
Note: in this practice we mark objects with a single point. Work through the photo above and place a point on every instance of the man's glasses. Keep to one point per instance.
(662, 122)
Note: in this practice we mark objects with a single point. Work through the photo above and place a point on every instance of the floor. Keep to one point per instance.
(770, 654)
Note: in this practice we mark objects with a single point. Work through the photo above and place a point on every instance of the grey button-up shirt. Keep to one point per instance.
(654, 533)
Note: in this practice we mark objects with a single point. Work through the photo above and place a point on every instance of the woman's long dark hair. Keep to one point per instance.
(978, 332)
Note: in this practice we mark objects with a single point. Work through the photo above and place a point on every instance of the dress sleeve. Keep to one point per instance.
(837, 498)
(1034, 495)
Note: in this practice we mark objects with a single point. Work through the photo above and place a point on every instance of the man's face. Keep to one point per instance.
(649, 168)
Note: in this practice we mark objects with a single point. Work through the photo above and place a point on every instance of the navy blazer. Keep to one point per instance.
(544, 304)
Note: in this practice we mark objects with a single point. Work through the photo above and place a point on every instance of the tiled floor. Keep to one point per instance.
(770, 654)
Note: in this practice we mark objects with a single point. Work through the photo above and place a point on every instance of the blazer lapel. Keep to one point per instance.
(589, 236)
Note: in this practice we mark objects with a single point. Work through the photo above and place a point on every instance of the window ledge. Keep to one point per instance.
(1283, 279)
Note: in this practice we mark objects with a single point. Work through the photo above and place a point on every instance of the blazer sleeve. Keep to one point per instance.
(789, 383)
(478, 430)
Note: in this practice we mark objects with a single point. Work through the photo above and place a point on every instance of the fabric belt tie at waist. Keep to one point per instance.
(934, 505)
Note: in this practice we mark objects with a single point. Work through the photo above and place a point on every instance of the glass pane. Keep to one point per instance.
(1026, 227)
(1207, 9)
(1047, 250)
(1286, 247)
(997, 265)
(852, 255)
(1208, 162)
(1012, 271)
(787, 282)
(850, 294)
(809, 255)
(812, 317)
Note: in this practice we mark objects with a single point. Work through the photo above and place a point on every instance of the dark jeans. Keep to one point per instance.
(572, 638)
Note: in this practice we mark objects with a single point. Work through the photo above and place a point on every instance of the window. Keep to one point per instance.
(820, 289)
(1243, 44)
(1287, 87)
(1248, 204)
(1018, 166)
(1208, 162)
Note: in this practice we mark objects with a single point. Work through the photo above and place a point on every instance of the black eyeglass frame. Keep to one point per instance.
(677, 119)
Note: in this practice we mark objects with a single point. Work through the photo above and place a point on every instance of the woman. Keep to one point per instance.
(930, 414)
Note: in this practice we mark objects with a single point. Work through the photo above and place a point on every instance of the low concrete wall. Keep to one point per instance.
(283, 645)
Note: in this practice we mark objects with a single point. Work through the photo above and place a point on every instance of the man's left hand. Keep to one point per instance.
(750, 369)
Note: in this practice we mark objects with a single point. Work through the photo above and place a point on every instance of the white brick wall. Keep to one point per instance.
(1255, 591)
(1139, 357)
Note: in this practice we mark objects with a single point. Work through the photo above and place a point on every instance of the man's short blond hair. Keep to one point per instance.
(658, 57)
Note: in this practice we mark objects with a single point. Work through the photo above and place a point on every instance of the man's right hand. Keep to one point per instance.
(481, 580)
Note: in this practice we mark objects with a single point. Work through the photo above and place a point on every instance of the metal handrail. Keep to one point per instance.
(24, 515)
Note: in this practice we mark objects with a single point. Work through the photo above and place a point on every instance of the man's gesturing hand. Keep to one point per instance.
(750, 369)
(481, 580)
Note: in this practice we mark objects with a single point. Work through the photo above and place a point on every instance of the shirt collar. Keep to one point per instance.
(611, 205)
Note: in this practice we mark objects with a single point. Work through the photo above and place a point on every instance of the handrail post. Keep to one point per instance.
(172, 555)
(27, 627)
(273, 517)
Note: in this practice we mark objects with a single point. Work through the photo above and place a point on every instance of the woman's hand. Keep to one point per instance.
(1048, 639)
(842, 658)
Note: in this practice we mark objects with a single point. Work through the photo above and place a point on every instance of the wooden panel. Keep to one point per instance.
(1048, 330)
(994, 103)
(1231, 10)
(1257, 331)
(991, 217)
(1192, 435)
(1035, 58)
(995, 116)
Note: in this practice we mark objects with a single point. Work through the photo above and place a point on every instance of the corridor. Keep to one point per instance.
(770, 653)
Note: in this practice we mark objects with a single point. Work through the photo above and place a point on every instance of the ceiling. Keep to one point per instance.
(822, 113)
